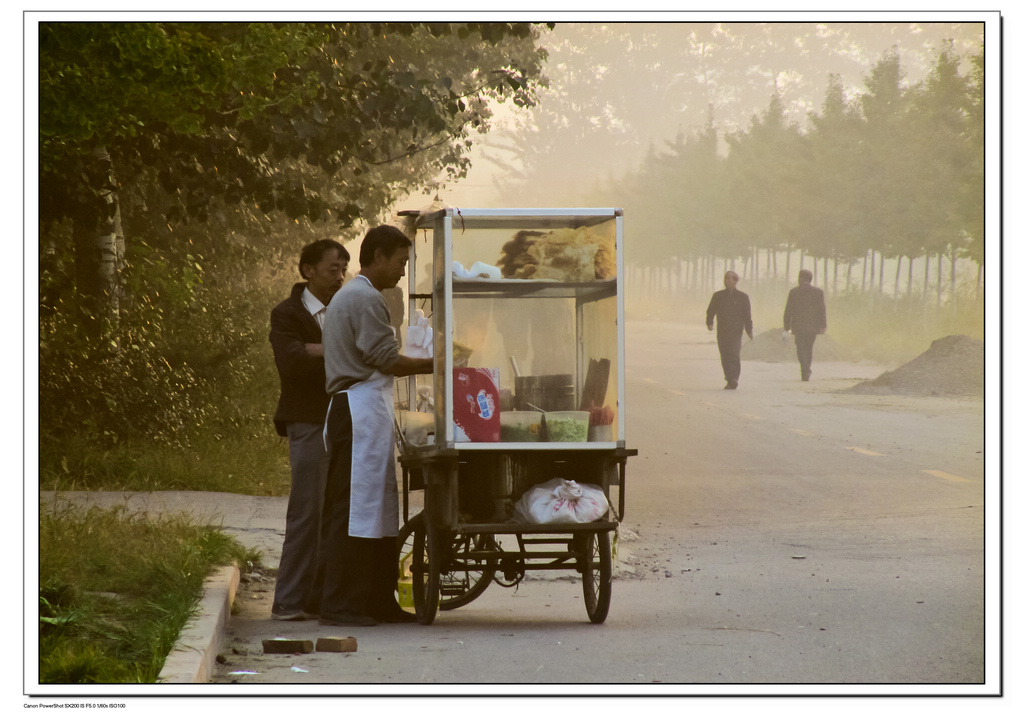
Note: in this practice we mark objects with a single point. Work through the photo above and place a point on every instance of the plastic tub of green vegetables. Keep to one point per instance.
(567, 426)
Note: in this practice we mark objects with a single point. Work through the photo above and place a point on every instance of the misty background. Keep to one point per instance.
(183, 167)
(853, 149)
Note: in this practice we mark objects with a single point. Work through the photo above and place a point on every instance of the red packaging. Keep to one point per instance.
(475, 405)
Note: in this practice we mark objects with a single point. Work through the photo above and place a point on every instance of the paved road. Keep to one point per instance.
(778, 537)
(782, 537)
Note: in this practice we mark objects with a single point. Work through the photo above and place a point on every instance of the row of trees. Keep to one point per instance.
(183, 166)
(896, 173)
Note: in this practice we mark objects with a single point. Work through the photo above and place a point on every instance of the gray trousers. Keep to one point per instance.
(300, 574)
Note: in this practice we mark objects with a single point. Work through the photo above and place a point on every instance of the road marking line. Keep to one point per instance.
(862, 451)
(752, 417)
(801, 431)
(946, 476)
(677, 392)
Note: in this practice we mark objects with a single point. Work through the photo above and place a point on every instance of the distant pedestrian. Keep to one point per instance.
(732, 307)
(805, 317)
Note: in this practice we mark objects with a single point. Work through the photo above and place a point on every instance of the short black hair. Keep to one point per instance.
(313, 253)
(805, 274)
(385, 238)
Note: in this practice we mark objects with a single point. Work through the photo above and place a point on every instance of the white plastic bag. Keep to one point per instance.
(561, 501)
(479, 270)
(419, 337)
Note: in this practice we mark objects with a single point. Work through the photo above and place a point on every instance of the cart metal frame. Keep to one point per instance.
(451, 555)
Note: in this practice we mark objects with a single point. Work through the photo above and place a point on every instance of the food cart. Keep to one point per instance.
(525, 307)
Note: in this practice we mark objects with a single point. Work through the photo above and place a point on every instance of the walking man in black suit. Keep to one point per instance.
(732, 307)
(295, 334)
(805, 317)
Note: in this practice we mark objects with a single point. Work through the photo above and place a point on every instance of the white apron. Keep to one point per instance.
(373, 508)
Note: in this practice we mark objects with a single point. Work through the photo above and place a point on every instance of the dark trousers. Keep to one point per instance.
(804, 351)
(729, 344)
(360, 574)
(299, 574)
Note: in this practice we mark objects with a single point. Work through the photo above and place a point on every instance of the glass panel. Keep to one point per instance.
(600, 368)
(533, 314)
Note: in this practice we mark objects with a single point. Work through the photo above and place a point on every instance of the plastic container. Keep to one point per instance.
(554, 392)
(520, 426)
(567, 426)
(416, 425)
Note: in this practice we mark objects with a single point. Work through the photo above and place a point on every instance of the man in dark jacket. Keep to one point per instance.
(805, 317)
(295, 334)
(732, 307)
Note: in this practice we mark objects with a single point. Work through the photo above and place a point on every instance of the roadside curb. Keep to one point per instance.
(194, 655)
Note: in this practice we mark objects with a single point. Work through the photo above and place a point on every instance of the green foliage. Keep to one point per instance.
(229, 144)
(116, 589)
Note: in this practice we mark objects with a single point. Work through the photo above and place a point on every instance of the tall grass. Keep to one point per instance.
(246, 464)
(117, 588)
(235, 450)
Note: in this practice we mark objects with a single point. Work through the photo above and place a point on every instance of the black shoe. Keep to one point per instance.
(394, 614)
(279, 612)
(347, 619)
(397, 617)
(731, 385)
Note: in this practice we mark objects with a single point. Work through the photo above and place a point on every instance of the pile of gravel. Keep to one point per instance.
(953, 366)
(770, 346)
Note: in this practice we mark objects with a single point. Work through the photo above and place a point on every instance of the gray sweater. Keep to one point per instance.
(358, 336)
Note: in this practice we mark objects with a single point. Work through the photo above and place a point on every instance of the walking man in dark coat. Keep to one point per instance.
(295, 334)
(805, 317)
(732, 307)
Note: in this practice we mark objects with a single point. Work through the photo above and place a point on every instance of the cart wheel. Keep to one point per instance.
(426, 569)
(467, 581)
(458, 586)
(596, 566)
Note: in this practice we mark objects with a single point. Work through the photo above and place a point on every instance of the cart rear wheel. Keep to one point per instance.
(468, 578)
(596, 566)
(426, 569)
(464, 583)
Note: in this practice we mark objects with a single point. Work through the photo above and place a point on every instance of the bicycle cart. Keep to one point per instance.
(527, 393)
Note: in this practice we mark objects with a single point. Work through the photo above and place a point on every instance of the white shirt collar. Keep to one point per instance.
(313, 304)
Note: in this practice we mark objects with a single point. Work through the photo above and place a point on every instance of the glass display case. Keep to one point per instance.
(526, 308)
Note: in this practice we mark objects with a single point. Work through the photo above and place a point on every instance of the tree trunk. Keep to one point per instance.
(99, 247)
(881, 275)
(896, 281)
(910, 277)
(938, 278)
(952, 277)
(927, 268)
(788, 255)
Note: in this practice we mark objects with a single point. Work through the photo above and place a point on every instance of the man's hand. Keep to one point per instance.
(710, 327)
(315, 349)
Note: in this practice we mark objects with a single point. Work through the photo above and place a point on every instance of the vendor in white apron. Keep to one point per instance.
(361, 358)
